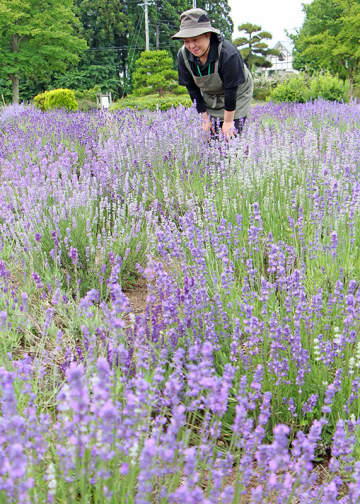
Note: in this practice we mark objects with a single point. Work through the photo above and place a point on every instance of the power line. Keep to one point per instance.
(132, 46)
(136, 42)
(127, 49)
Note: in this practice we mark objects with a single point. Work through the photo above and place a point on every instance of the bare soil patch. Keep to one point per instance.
(137, 296)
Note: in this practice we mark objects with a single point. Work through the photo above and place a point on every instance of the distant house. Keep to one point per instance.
(283, 62)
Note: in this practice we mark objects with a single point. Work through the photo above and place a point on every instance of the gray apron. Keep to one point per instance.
(212, 90)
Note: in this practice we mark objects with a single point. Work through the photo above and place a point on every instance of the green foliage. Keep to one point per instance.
(106, 26)
(152, 102)
(154, 73)
(86, 98)
(356, 90)
(37, 40)
(39, 101)
(5, 90)
(293, 90)
(179, 90)
(88, 94)
(264, 85)
(104, 21)
(329, 38)
(60, 98)
(28, 88)
(49, 56)
(302, 88)
(56, 99)
(103, 76)
(262, 94)
(254, 50)
(328, 87)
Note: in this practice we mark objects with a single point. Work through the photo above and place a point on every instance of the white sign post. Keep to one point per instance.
(103, 100)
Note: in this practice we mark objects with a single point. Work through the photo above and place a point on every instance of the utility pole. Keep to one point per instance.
(194, 4)
(147, 47)
(146, 10)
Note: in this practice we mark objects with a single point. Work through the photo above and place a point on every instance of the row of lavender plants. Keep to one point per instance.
(242, 375)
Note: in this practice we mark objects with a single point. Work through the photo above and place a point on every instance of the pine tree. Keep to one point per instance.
(154, 73)
(253, 48)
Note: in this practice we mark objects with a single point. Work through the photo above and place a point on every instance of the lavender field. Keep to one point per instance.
(240, 377)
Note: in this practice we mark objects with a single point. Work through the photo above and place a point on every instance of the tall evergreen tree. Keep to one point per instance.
(37, 38)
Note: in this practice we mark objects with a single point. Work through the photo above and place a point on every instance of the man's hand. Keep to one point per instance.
(228, 129)
(206, 123)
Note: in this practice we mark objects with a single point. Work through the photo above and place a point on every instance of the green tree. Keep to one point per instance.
(154, 73)
(105, 26)
(37, 38)
(219, 13)
(329, 38)
(253, 49)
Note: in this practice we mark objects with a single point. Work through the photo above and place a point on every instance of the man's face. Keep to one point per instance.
(198, 45)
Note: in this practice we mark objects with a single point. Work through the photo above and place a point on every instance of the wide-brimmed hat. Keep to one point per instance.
(194, 22)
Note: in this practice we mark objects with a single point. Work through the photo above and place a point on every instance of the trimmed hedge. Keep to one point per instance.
(152, 102)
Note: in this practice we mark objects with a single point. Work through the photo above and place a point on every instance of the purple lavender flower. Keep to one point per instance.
(3, 319)
(74, 256)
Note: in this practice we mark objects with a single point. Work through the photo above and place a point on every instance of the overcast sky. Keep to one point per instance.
(272, 15)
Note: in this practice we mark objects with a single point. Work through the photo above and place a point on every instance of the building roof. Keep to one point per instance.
(284, 45)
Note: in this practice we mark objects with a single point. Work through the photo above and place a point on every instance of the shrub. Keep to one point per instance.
(60, 98)
(39, 100)
(294, 89)
(154, 73)
(261, 93)
(264, 84)
(328, 87)
(152, 102)
(356, 92)
(356, 87)
(56, 99)
(179, 90)
(302, 88)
